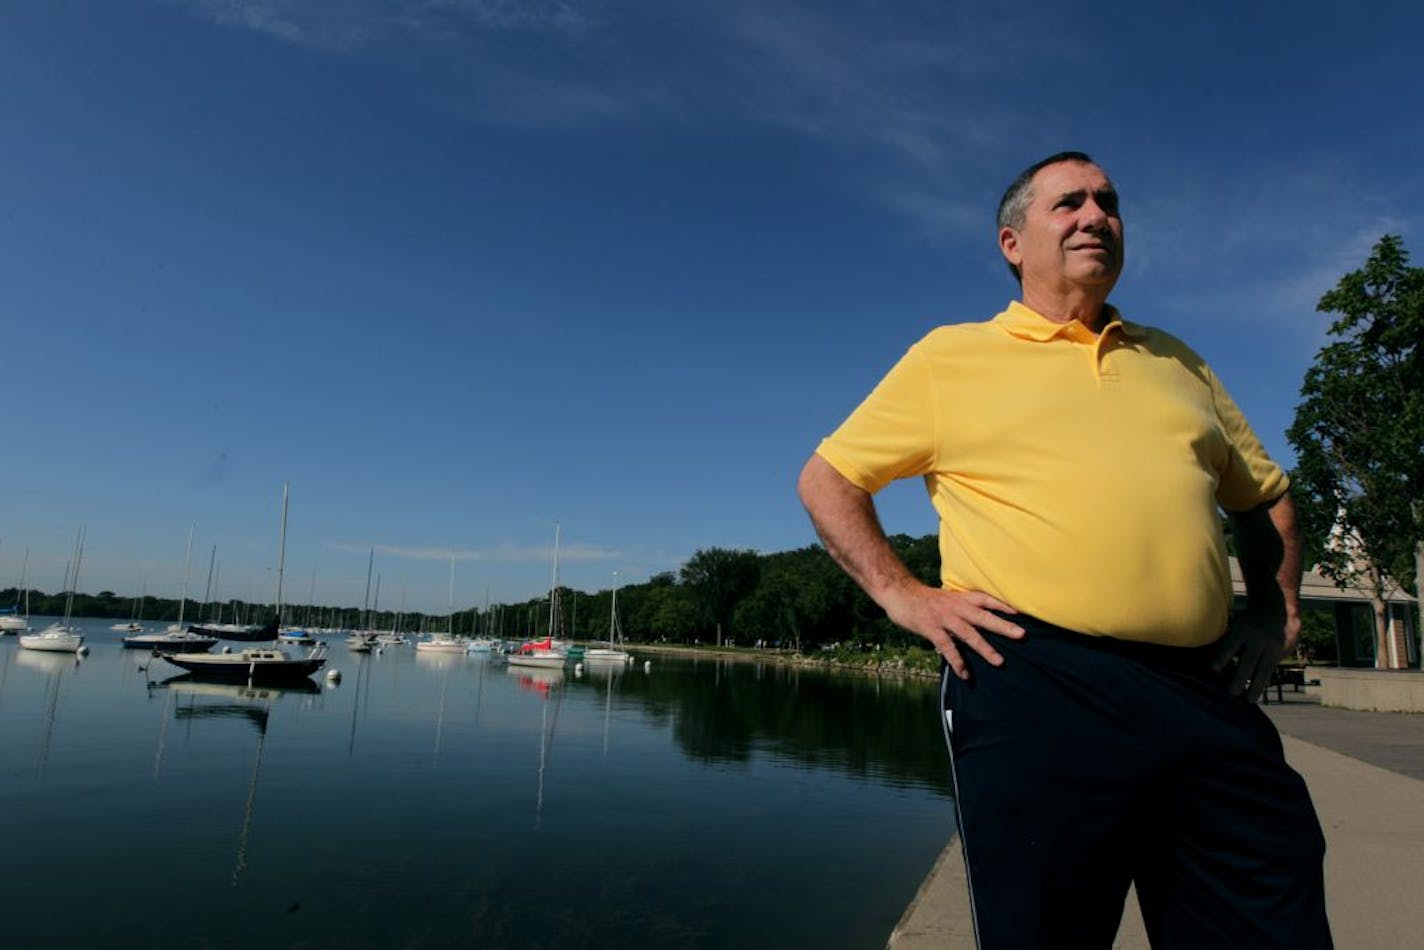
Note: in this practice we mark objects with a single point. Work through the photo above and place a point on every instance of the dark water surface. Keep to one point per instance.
(450, 801)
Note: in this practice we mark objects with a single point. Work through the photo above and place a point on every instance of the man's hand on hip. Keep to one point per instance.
(1256, 640)
(943, 616)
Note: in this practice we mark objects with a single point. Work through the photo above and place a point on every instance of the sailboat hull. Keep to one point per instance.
(170, 642)
(249, 666)
(53, 640)
(235, 632)
(538, 661)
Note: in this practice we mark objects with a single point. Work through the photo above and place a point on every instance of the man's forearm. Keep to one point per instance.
(845, 519)
(1269, 549)
(844, 516)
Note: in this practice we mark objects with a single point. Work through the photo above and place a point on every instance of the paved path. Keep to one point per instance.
(1366, 776)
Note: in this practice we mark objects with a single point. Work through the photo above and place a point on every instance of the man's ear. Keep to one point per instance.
(1009, 246)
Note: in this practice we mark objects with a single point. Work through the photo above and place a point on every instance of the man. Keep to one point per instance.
(1100, 711)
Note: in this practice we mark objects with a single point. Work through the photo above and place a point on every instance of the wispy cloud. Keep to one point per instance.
(346, 25)
(451, 16)
(502, 554)
(1264, 248)
(900, 96)
(317, 24)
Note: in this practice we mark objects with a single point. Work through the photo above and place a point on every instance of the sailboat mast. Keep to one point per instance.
(366, 603)
(311, 599)
(613, 612)
(208, 591)
(74, 583)
(554, 584)
(187, 565)
(452, 596)
(282, 554)
(25, 583)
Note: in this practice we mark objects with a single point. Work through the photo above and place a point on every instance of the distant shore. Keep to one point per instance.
(916, 663)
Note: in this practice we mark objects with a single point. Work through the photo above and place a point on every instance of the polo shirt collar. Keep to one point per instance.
(1027, 324)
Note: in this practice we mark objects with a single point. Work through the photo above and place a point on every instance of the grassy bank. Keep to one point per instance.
(901, 661)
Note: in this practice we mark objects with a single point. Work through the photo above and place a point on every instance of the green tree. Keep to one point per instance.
(657, 610)
(718, 579)
(1359, 429)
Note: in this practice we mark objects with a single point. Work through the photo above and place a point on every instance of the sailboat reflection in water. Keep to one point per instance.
(209, 700)
(544, 683)
(56, 666)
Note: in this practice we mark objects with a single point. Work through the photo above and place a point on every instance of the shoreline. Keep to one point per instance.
(865, 663)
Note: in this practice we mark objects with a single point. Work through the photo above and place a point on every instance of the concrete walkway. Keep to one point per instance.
(1366, 776)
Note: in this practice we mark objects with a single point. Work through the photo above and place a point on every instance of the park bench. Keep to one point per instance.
(1285, 674)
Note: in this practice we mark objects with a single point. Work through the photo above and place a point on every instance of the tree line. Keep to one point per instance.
(1359, 483)
(794, 599)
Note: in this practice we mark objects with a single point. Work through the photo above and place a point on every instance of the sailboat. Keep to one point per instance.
(364, 640)
(483, 644)
(445, 642)
(240, 632)
(541, 654)
(611, 653)
(10, 619)
(175, 639)
(257, 665)
(61, 637)
(135, 624)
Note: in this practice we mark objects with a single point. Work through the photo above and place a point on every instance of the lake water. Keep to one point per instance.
(451, 801)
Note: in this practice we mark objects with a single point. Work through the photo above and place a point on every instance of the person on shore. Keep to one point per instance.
(1098, 694)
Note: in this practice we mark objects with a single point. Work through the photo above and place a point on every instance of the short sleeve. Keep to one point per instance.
(891, 435)
(1250, 477)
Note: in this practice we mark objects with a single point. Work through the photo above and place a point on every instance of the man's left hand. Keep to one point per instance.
(1256, 640)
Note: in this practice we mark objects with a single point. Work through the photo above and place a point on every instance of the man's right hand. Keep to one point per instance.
(845, 518)
(943, 617)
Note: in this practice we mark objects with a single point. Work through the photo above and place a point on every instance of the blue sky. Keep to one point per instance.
(462, 269)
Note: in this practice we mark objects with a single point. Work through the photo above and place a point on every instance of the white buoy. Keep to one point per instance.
(578, 669)
(647, 666)
(227, 649)
(82, 651)
(333, 677)
(380, 650)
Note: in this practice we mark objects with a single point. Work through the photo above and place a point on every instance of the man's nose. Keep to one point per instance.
(1093, 217)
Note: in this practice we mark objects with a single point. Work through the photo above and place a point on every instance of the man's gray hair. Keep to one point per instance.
(1013, 207)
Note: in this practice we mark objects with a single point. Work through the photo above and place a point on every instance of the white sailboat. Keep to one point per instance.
(10, 619)
(541, 654)
(61, 637)
(264, 665)
(612, 653)
(176, 638)
(445, 642)
(135, 624)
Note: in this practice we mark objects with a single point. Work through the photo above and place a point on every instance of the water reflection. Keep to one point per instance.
(445, 664)
(54, 666)
(546, 684)
(603, 676)
(697, 804)
(208, 699)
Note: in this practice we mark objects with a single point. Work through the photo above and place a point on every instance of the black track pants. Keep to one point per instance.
(1084, 764)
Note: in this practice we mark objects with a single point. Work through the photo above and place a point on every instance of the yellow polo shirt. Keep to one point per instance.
(1076, 474)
